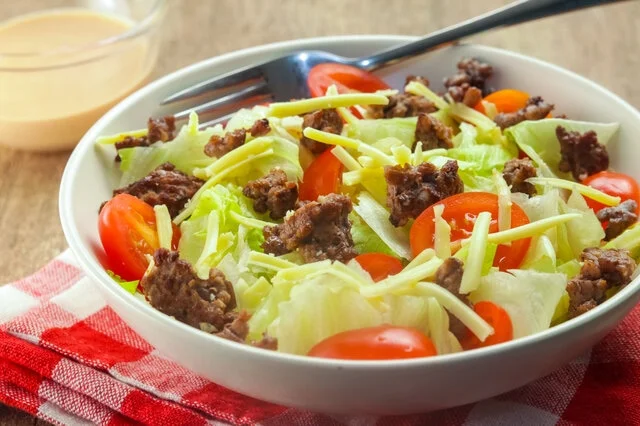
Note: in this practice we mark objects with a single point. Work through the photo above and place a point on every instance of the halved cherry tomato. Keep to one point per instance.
(497, 318)
(615, 184)
(506, 100)
(379, 265)
(322, 177)
(461, 211)
(127, 227)
(375, 343)
(346, 78)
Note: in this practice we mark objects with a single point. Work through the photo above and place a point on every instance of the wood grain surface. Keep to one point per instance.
(601, 44)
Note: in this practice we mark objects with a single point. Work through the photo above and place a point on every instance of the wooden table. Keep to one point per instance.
(601, 44)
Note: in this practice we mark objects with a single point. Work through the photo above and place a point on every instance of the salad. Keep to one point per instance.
(371, 223)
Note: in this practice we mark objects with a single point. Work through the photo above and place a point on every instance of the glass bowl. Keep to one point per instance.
(51, 94)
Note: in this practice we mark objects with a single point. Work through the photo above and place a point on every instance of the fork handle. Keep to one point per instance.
(513, 13)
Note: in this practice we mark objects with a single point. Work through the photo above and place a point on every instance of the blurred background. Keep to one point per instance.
(601, 44)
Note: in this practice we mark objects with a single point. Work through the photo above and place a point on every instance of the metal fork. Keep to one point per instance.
(285, 78)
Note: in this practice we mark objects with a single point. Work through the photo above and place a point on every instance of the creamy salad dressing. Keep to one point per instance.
(47, 101)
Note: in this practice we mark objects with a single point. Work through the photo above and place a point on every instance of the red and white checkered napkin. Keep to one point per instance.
(67, 358)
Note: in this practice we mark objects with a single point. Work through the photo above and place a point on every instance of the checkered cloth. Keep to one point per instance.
(67, 358)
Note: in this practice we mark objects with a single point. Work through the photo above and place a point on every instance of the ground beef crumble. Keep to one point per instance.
(402, 105)
(273, 193)
(221, 145)
(432, 132)
(418, 79)
(582, 154)
(516, 172)
(602, 269)
(260, 128)
(238, 330)
(618, 218)
(468, 85)
(165, 185)
(411, 189)
(449, 277)
(326, 120)
(158, 129)
(319, 230)
(535, 109)
(173, 288)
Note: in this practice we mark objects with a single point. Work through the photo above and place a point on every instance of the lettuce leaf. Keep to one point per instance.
(365, 240)
(226, 205)
(317, 309)
(540, 136)
(371, 131)
(529, 297)
(130, 286)
(186, 152)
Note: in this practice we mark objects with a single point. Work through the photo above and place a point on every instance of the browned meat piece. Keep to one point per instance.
(411, 189)
(221, 145)
(260, 128)
(417, 79)
(130, 142)
(173, 288)
(471, 74)
(165, 185)
(318, 229)
(516, 172)
(402, 105)
(273, 193)
(161, 129)
(327, 120)
(618, 218)
(602, 269)
(449, 277)
(432, 132)
(582, 154)
(535, 109)
(238, 330)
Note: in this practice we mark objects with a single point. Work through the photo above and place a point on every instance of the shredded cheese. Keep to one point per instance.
(345, 113)
(584, 190)
(477, 250)
(268, 261)
(285, 109)
(249, 222)
(419, 89)
(214, 180)
(345, 158)
(163, 226)
(442, 234)
(404, 280)
(529, 230)
(350, 143)
(504, 201)
(458, 309)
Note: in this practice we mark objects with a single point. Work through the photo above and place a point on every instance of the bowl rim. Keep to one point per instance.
(97, 273)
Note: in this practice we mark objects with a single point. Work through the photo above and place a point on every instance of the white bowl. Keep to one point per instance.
(389, 387)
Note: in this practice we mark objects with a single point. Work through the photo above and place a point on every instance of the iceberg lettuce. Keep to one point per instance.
(529, 297)
(186, 152)
(540, 136)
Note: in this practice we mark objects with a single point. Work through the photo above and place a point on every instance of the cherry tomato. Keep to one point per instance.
(322, 177)
(497, 318)
(127, 227)
(461, 211)
(375, 343)
(346, 78)
(615, 184)
(506, 100)
(379, 265)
